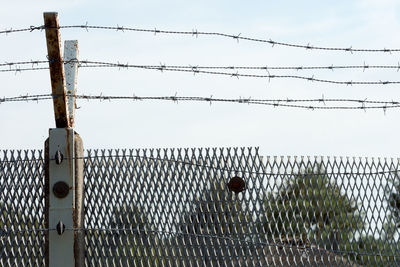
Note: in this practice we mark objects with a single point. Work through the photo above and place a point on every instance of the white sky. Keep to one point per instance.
(278, 131)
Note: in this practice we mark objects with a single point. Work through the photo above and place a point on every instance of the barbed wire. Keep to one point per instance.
(98, 64)
(362, 104)
(235, 170)
(270, 76)
(14, 66)
(31, 62)
(30, 29)
(308, 245)
(19, 70)
(196, 33)
(238, 75)
(198, 69)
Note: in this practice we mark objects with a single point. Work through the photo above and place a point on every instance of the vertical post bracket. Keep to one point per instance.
(61, 206)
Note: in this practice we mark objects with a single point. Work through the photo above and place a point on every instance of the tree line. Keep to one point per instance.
(307, 216)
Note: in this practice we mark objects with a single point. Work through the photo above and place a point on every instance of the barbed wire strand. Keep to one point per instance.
(99, 64)
(30, 29)
(196, 33)
(270, 76)
(195, 70)
(362, 104)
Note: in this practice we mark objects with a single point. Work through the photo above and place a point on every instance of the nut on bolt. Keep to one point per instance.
(236, 184)
(61, 189)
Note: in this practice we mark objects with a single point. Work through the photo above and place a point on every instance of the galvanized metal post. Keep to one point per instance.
(71, 74)
(64, 213)
(61, 198)
(64, 164)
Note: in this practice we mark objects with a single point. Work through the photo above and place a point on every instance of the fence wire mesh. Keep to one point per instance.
(21, 208)
(212, 207)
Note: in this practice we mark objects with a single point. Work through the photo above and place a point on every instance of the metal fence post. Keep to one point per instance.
(61, 184)
(56, 66)
(71, 53)
(64, 248)
(63, 158)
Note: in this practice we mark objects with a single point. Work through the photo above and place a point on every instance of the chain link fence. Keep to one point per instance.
(212, 207)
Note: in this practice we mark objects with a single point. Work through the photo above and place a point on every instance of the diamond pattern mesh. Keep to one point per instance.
(21, 208)
(212, 207)
(174, 208)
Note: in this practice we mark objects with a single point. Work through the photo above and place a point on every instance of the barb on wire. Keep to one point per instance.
(195, 33)
(322, 100)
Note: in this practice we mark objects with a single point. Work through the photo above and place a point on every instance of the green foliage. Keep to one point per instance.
(217, 212)
(214, 217)
(128, 216)
(311, 208)
(129, 245)
(383, 251)
(375, 251)
(392, 192)
(13, 224)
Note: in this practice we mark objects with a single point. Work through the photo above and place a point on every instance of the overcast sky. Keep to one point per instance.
(151, 124)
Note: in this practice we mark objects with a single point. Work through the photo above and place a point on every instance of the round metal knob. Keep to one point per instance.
(61, 189)
(237, 184)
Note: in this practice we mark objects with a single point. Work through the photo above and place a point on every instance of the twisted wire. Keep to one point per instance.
(196, 70)
(237, 37)
(98, 64)
(30, 29)
(197, 33)
(362, 104)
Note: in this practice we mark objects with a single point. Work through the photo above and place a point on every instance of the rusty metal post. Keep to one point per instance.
(64, 194)
(56, 66)
(78, 215)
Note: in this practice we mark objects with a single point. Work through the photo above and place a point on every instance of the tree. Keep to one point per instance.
(373, 251)
(214, 224)
(128, 217)
(392, 192)
(125, 241)
(382, 250)
(310, 209)
(19, 243)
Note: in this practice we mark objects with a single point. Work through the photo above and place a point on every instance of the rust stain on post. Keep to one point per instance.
(57, 77)
(78, 211)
